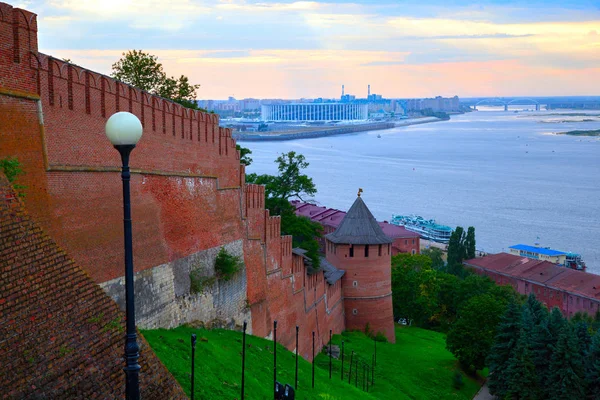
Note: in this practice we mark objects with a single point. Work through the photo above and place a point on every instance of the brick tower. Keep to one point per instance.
(360, 248)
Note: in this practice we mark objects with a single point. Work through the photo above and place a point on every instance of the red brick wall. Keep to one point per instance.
(406, 245)
(61, 335)
(188, 190)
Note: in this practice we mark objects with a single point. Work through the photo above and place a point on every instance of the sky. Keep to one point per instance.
(308, 49)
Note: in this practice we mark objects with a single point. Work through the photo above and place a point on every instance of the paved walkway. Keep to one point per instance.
(484, 393)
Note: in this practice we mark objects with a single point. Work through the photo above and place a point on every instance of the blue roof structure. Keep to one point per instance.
(539, 250)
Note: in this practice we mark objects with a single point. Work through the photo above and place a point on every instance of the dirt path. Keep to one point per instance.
(484, 393)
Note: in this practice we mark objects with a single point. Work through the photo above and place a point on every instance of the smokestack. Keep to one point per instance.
(342, 90)
(369, 92)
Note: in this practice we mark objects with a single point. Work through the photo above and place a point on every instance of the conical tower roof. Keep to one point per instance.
(359, 227)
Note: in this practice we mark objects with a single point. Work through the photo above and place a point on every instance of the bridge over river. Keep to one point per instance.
(507, 102)
(567, 102)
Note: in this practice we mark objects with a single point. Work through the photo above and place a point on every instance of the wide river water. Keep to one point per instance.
(502, 172)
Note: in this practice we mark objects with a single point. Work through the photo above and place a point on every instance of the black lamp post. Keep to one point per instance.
(124, 130)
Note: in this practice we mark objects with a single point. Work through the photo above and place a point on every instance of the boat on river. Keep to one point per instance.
(426, 228)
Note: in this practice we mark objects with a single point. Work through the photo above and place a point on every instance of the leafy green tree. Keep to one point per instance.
(505, 342)
(470, 243)
(414, 287)
(290, 183)
(567, 372)
(592, 373)
(244, 155)
(448, 304)
(142, 70)
(472, 335)
(180, 90)
(436, 255)
(456, 249)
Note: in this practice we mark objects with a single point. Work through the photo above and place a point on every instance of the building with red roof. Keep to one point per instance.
(404, 241)
(570, 290)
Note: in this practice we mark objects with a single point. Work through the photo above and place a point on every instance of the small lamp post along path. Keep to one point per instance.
(124, 130)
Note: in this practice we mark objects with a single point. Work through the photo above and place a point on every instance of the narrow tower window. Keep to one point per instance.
(379, 250)
(366, 250)
(351, 251)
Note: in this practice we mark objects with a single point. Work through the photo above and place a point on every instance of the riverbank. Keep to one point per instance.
(581, 133)
(315, 132)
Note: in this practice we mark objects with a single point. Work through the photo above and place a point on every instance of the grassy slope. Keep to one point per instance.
(417, 367)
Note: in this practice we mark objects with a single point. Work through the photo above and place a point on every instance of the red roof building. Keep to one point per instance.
(405, 241)
(570, 290)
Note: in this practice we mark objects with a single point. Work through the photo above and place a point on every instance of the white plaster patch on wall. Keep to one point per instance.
(163, 298)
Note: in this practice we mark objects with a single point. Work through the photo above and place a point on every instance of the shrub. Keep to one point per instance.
(11, 167)
(227, 265)
(198, 282)
(457, 381)
(380, 337)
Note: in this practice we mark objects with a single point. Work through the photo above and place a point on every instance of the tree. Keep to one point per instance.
(244, 155)
(414, 287)
(567, 372)
(520, 371)
(470, 243)
(142, 70)
(542, 346)
(436, 255)
(583, 336)
(279, 189)
(472, 335)
(592, 373)
(538, 311)
(505, 342)
(290, 183)
(456, 248)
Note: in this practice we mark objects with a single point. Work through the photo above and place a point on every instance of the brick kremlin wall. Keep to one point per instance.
(188, 193)
(61, 336)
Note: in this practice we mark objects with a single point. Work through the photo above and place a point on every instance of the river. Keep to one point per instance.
(502, 172)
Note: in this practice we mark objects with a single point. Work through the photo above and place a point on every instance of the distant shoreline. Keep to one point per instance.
(328, 131)
(581, 133)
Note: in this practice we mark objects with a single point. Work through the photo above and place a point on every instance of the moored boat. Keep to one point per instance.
(427, 228)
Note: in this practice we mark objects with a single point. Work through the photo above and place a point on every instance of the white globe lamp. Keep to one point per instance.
(123, 128)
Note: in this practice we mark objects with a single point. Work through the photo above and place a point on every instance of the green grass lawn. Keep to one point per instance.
(417, 367)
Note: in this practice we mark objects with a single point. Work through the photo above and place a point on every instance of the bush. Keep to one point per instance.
(11, 167)
(227, 265)
(380, 337)
(198, 282)
(457, 381)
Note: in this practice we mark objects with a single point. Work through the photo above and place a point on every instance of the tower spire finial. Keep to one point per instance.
(359, 191)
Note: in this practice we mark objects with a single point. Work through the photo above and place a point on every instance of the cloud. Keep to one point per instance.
(296, 47)
(138, 14)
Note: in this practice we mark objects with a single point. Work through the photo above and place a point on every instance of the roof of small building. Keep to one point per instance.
(332, 274)
(333, 217)
(539, 250)
(359, 227)
(541, 272)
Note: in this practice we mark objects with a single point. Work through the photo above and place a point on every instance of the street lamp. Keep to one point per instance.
(124, 130)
